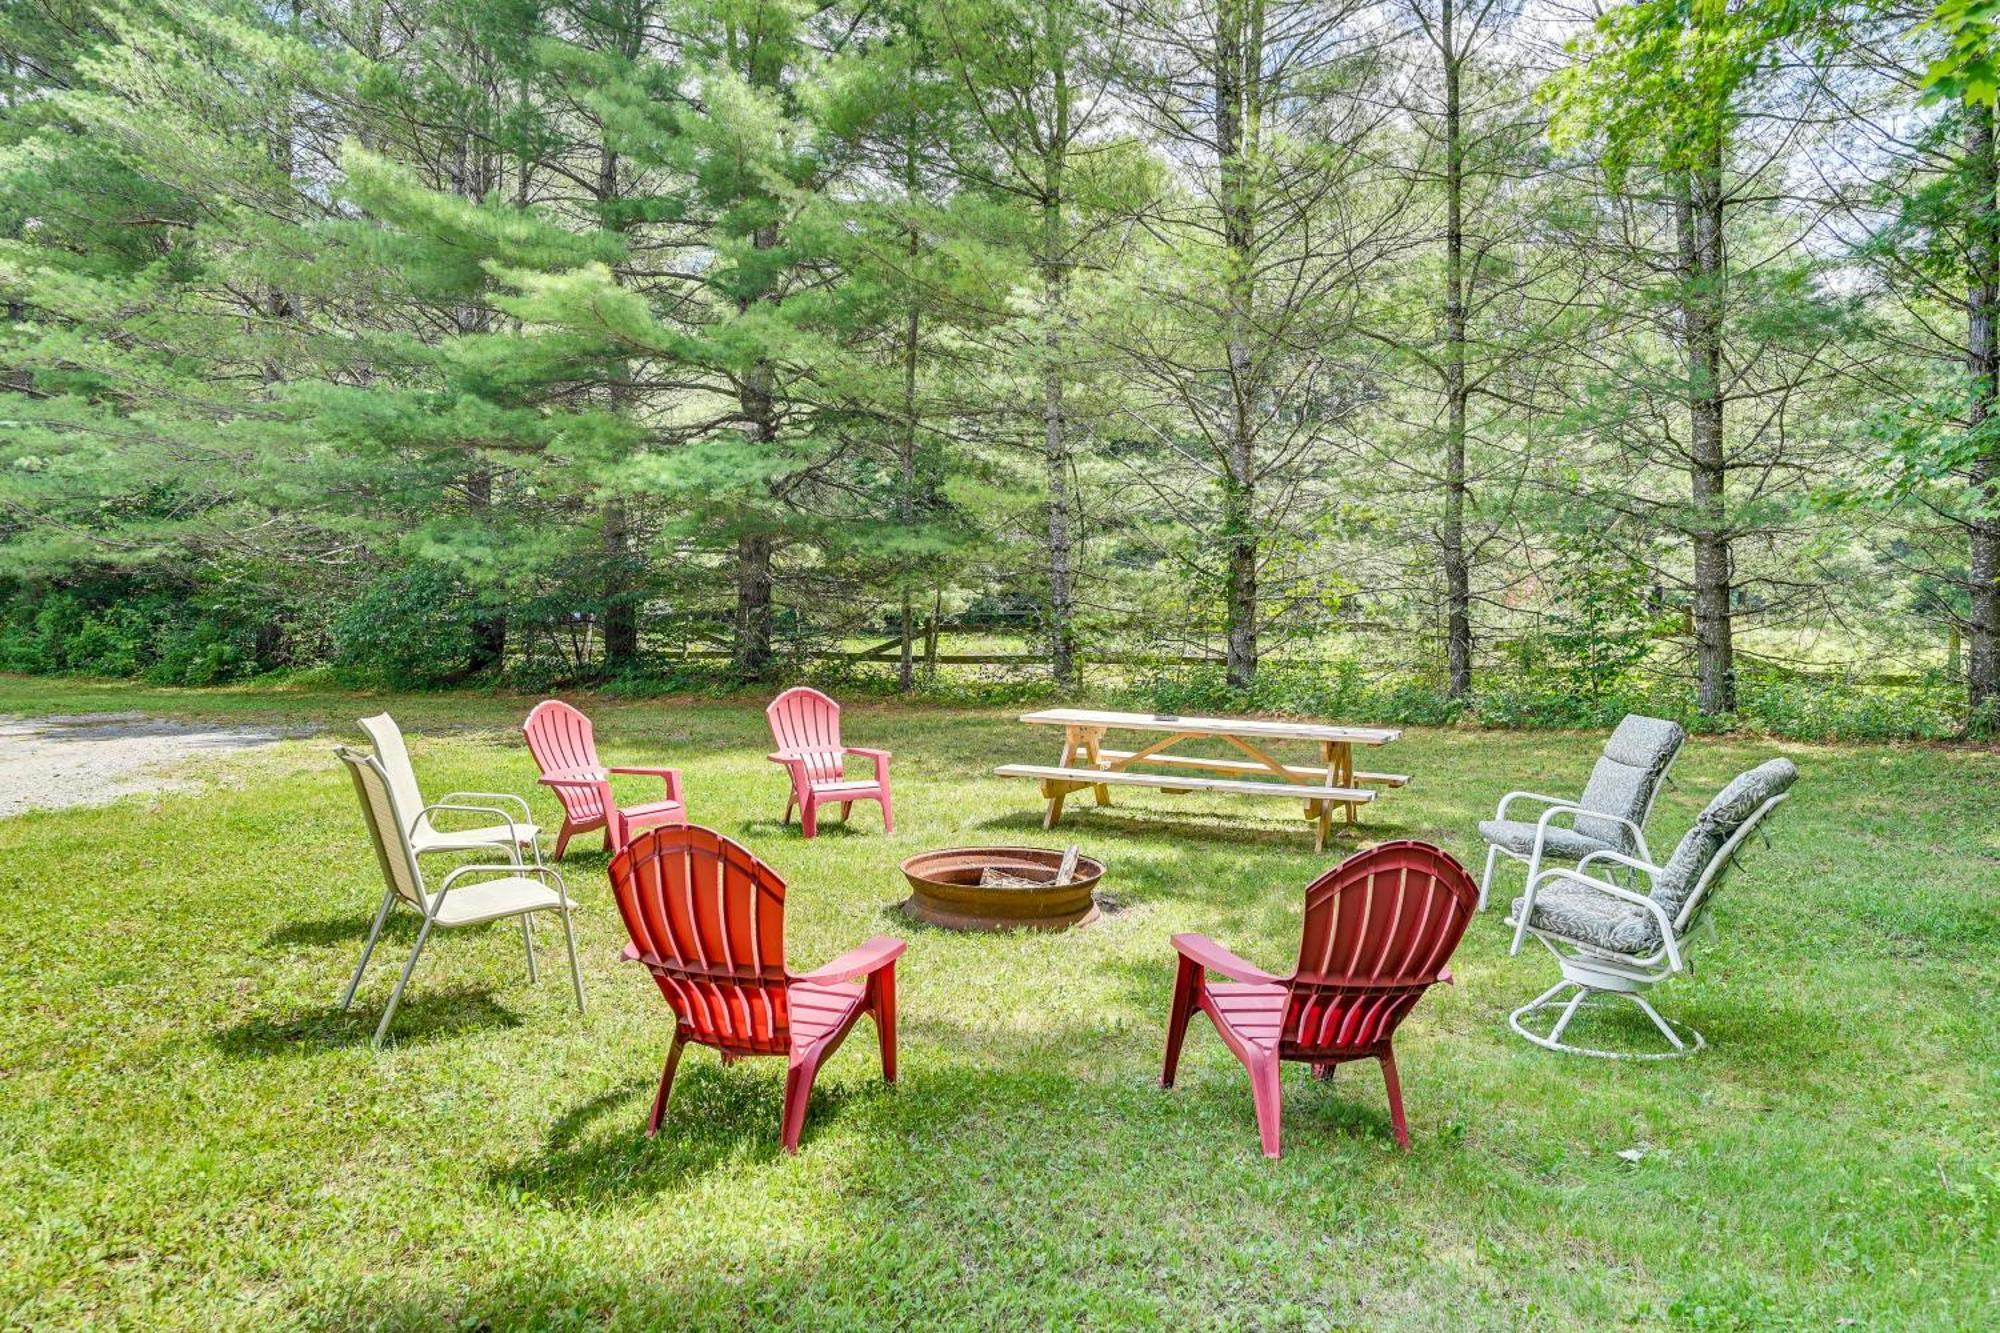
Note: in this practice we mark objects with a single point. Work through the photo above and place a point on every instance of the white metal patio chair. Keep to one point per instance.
(512, 890)
(1611, 940)
(1610, 816)
(515, 835)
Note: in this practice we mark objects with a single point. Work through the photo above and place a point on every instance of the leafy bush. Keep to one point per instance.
(109, 629)
(412, 629)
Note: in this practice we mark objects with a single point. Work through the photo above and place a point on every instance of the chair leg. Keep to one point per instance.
(1395, 1087)
(1486, 880)
(846, 808)
(791, 803)
(1569, 1012)
(666, 1084)
(396, 995)
(882, 1003)
(575, 972)
(368, 949)
(888, 813)
(809, 817)
(562, 839)
(798, 1091)
(1187, 989)
(1265, 1094)
(528, 941)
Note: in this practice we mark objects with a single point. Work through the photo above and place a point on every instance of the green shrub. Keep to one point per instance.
(411, 629)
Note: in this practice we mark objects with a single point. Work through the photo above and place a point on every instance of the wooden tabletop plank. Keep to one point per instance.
(1212, 726)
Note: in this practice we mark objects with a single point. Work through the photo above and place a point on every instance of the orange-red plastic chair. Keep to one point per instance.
(1379, 929)
(805, 725)
(707, 919)
(565, 748)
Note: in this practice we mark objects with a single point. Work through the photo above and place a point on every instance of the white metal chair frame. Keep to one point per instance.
(432, 902)
(1593, 970)
(1566, 806)
(424, 837)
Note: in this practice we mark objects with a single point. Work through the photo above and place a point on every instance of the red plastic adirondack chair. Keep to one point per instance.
(707, 919)
(805, 724)
(1379, 929)
(565, 749)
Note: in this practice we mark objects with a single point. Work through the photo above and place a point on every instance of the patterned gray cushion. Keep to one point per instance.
(1715, 826)
(1584, 916)
(1635, 759)
(1560, 842)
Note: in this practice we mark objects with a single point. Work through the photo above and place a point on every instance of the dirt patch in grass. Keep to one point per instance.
(49, 763)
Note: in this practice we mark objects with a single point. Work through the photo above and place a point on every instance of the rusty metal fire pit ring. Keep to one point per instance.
(945, 890)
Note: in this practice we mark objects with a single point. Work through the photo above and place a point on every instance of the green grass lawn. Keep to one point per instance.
(194, 1135)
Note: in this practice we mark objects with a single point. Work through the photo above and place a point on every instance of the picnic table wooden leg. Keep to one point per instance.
(1322, 825)
(1091, 740)
(1054, 792)
(1339, 757)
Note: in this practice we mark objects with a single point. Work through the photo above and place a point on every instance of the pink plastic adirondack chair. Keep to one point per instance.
(1379, 929)
(805, 725)
(707, 919)
(565, 749)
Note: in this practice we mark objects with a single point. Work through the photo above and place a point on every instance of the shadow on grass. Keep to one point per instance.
(400, 927)
(830, 826)
(598, 1152)
(422, 1017)
(1145, 823)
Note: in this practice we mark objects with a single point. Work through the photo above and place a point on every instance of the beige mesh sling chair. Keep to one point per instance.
(514, 834)
(460, 899)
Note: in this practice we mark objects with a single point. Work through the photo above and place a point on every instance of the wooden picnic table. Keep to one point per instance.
(1333, 781)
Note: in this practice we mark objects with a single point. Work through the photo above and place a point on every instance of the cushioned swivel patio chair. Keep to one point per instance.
(1610, 816)
(1611, 940)
(511, 890)
(515, 835)
(805, 725)
(1379, 929)
(565, 748)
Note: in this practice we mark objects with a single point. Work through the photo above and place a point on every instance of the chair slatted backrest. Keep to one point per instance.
(708, 919)
(379, 809)
(806, 722)
(395, 759)
(562, 740)
(1379, 928)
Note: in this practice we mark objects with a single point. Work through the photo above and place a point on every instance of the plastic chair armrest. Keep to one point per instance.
(871, 955)
(670, 776)
(1205, 951)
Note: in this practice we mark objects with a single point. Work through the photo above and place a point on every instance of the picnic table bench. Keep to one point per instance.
(1334, 781)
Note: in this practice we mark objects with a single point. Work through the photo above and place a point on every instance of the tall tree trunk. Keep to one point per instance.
(1698, 219)
(621, 610)
(1457, 565)
(1982, 666)
(1238, 62)
(753, 606)
(906, 444)
(755, 548)
(1055, 439)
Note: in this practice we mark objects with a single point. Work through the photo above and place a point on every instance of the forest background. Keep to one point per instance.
(1514, 361)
